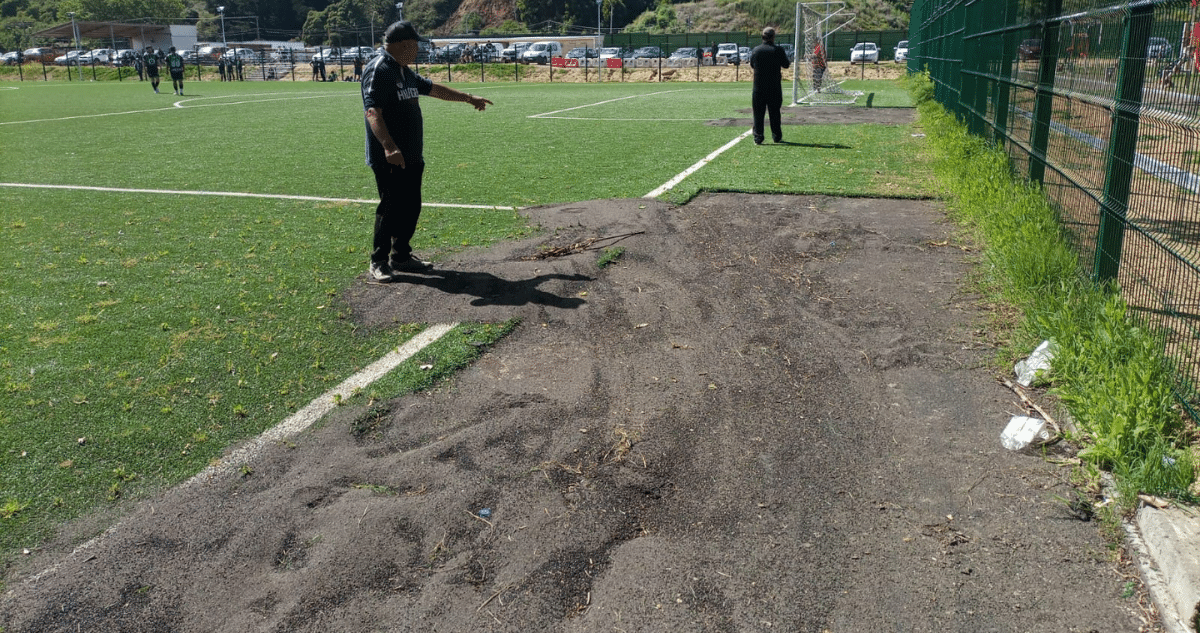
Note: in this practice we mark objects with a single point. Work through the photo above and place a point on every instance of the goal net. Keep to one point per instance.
(811, 83)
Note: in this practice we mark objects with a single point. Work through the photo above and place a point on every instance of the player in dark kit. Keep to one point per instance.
(768, 62)
(395, 141)
(150, 61)
(175, 65)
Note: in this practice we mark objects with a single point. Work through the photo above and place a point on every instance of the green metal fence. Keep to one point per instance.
(1100, 103)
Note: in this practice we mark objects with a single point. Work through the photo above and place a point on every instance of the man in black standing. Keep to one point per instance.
(395, 142)
(768, 62)
(150, 59)
(175, 67)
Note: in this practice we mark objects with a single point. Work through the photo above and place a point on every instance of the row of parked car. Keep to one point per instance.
(868, 53)
(526, 52)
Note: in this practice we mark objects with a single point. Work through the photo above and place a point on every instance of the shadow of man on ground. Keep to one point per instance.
(491, 290)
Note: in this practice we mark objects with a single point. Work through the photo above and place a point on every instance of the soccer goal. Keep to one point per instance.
(811, 83)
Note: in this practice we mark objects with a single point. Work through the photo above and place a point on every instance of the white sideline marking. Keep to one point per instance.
(242, 194)
(668, 185)
(326, 402)
(297, 422)
(546, 115)
(179, 105)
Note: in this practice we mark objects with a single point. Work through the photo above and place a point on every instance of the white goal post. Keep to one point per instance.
(811, 83)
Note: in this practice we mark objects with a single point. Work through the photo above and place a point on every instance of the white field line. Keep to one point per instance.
(294, 424)
(178, 105)
(546, 115)
(668, 185)
(241, 194)
(326, 402)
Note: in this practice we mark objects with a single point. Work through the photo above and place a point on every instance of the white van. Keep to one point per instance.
(541, 52)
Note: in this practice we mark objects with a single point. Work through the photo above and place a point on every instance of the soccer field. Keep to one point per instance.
(173, 265)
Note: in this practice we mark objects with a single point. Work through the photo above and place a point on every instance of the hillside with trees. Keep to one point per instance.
(318, 22)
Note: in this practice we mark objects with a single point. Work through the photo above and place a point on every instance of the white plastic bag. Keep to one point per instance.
(1039, 361)
(1023, 431)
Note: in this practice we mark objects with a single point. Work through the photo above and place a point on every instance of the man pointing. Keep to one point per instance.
(395, 141)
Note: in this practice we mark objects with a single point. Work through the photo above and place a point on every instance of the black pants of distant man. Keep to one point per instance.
(767, 102)
(398, 211)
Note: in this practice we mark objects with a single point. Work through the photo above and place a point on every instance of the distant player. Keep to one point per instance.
(818, 66)
(150, 61)
(768, 62)
(175, 65)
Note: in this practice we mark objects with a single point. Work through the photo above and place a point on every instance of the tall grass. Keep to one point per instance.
(1109, 370)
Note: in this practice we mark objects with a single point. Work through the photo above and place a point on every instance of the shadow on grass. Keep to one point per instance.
(491, 290)
(813, 145)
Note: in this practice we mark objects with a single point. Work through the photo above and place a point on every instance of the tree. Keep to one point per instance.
(472, 22)
(661, 20)
(124, 10)
(607, 9)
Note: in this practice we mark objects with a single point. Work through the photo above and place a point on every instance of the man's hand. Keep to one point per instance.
(394, 156)
(391, 153)
(479, 103)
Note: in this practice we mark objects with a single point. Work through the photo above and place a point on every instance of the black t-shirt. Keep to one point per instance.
(394, 89)
(768, 62)
(151, 61)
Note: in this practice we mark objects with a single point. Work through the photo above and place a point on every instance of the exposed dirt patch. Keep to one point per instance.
(828, 115)
(768, 415)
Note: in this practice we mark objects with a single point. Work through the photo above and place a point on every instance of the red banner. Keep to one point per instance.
(612, 62)
(564, 62)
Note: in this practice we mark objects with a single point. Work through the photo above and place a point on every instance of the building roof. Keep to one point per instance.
(100, 30)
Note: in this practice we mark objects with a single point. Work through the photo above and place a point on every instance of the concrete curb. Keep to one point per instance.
(1168, 545)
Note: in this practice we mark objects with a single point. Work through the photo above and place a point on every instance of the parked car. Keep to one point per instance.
(348, 55)
(645, 52)
(541, 52)
(190, 57)
(244, 55)
(1030, 49)
(210, 53)
(424, 51)
(10, 58)
(326, 55)
(125, 57)
(1158, 48)
(582, 53)
(744, 54)
(447, 54)
(864, 52)
(97, 56)
(901, 52)
(513, 52)
(791, 51)
(39, 54)
(684, 52)
(70, 58)
(729, 51)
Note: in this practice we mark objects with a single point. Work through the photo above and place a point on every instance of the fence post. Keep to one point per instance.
(973, 68)
(1122, 141)
(1043, 108)
(1008, 48)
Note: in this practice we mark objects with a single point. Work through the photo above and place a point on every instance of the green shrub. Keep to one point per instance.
(1109, 370)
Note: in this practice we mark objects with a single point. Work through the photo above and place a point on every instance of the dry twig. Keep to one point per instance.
(577, 247)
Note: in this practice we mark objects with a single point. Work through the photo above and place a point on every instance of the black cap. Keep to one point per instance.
(400, 31)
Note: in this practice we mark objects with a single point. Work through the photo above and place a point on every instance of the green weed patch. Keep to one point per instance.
(1109, 370)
